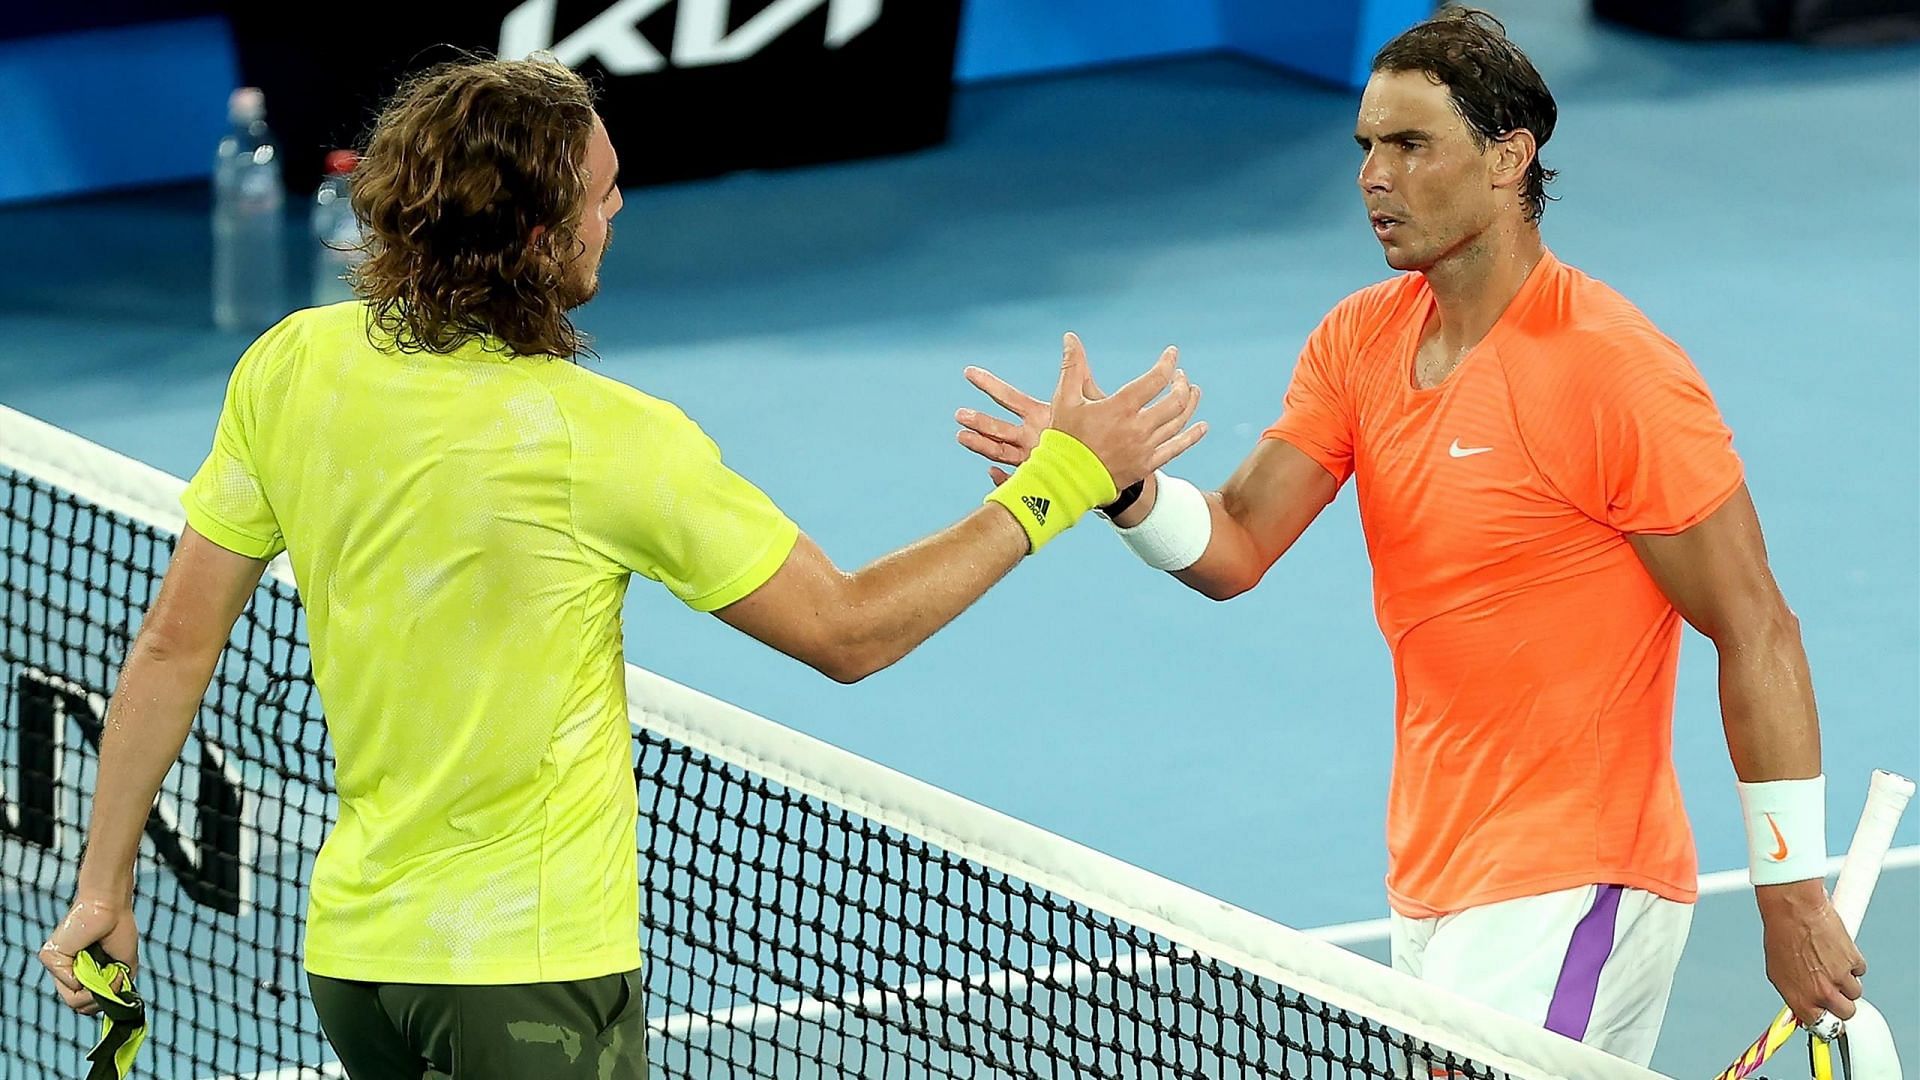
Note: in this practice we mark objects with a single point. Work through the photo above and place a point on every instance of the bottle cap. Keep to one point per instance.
(246, 105)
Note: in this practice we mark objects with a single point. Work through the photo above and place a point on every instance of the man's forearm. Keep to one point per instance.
(1773, 737)
(1233, 561)
(899, 601)
(1251, 521)
(1766, 704)
(1230, 561)
(147, 723)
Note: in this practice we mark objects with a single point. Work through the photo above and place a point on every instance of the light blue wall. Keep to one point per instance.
(1000, 38)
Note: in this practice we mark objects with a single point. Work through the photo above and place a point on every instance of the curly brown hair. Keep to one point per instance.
(1494, 87)
(466, 160)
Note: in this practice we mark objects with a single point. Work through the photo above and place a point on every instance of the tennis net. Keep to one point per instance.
(808, 913)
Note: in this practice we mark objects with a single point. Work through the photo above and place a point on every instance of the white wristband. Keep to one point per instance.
(1786, 830)
(1175, 533)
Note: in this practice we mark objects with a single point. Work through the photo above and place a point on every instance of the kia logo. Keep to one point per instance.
(700, 36)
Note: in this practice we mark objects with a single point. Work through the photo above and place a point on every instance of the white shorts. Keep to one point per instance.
(1593, 963)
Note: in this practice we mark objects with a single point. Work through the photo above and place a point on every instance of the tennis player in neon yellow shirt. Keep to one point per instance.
(463, 507)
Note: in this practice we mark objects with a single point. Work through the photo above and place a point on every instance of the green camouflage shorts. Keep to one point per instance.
(587, 1029)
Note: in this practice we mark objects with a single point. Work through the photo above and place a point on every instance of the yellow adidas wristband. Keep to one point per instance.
(1056, 486)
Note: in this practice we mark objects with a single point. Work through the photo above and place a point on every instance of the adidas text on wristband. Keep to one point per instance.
(1054, 488)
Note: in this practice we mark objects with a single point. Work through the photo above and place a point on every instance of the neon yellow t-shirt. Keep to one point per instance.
(462, 528)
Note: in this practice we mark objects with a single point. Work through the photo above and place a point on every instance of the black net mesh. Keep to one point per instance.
(786, 937)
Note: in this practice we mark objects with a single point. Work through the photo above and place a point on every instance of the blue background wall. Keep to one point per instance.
(145, 103)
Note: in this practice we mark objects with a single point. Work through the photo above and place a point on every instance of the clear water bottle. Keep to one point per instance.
(249, 261)
(336, 232)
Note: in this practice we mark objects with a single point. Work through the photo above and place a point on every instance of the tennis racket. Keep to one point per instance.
(1887, 797)
(1865, 1049)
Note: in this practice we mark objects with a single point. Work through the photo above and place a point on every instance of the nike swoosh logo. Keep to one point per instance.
(1779, 853)
(1456, 450)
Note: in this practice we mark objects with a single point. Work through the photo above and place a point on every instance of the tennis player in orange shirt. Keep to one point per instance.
(1547, 491)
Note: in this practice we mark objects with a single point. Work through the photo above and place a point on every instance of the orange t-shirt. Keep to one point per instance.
(1533, 656)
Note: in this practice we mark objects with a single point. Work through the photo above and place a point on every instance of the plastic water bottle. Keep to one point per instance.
(336, 232)
(249, 261)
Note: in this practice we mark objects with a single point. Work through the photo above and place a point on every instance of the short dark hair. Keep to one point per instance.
(1494, 87)
(464, 162)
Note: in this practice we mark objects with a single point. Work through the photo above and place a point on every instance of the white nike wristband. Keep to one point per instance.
(1786, 830)
(1175, 533)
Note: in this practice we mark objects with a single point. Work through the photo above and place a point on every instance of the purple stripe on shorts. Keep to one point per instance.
(1572, 1006)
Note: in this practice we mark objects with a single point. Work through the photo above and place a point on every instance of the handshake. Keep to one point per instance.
(1083, 448)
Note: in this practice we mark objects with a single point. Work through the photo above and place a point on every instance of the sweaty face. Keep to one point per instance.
(1429, 190)
(596, 220)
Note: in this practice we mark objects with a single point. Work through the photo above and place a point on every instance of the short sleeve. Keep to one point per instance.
(226, 501)
(656, 498)
(1318, 416)
(1639, 443)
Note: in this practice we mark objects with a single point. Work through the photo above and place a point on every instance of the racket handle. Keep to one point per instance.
(1887, 796)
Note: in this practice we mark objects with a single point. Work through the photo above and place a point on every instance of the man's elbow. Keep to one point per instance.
(1222, 591)
(847, 655)
(1780, 625)
(1765, 624)
(851, 663)
(845, 669)
(1211, 583)
(163, 643)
